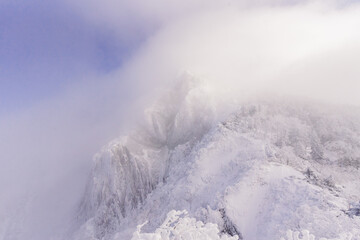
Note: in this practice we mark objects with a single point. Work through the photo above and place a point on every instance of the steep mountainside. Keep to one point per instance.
(263, 170)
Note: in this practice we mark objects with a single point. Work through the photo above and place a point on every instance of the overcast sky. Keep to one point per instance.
(47, 45)
(74, 73)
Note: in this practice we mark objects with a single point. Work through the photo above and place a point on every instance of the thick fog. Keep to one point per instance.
(97, 89)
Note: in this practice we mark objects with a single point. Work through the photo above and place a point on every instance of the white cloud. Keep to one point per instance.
(296, 50)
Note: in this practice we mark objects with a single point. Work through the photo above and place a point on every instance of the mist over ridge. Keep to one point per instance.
(238, 52)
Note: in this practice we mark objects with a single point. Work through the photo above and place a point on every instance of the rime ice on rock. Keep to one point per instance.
(267, 167)
(129, 168)
(178, 225)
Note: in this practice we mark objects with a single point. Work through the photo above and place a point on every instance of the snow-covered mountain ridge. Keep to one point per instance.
(264, 168)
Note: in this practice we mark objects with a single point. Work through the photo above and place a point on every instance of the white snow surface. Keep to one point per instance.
(256, 172)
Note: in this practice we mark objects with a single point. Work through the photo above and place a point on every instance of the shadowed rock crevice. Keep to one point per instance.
(228, 226)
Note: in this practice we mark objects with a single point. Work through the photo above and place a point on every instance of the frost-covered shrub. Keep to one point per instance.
(178, 225)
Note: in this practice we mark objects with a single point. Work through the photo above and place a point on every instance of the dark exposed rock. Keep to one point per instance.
(229, 227)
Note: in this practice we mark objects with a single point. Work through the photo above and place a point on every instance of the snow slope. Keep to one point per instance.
(256, 172)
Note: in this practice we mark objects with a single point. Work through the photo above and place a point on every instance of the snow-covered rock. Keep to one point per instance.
(178, 225)
(266, 168)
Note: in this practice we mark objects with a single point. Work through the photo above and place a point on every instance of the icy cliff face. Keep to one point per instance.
(268, 167)
(131, 167)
